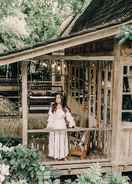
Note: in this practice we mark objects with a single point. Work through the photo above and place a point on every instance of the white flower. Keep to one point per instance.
(18, 182)
(15, 24)
(5, 148)
(4, 170)
(2, 178)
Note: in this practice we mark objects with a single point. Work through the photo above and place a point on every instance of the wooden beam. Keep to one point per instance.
(24, 104)
(46, 130)
(67, 42)
(79, 58)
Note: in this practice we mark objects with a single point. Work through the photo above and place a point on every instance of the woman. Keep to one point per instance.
(59, 115)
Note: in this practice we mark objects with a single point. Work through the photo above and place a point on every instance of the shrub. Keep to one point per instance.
(94, 176)
(20, 165)
(23, 163)
(117, 179)
(21, 181)
(10, 141)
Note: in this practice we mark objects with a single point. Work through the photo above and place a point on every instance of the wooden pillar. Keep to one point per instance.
(99, 96)
(105, 94)
(53, 72)
(63, 76)
(116, 106)
(24, 104)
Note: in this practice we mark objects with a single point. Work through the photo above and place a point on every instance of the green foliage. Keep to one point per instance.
(10, 141)
(24, 164)
(43, 23)
(20, 181)
(117, 179)
(92, 176)
(7, 7)
(25, 168)
(26, 22)
(75, 5)
(125, 34)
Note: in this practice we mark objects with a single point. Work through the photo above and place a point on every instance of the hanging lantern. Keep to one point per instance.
(43, 64)
(53, 65)
(58, 68)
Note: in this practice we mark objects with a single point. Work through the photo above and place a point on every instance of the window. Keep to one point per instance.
(127, 94)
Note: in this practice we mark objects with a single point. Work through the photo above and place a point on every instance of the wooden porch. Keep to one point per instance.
(86, 146)
(97, 77)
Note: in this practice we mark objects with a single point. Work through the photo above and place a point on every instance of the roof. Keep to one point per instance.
(60, 44)
(101, 19)
(103, 13)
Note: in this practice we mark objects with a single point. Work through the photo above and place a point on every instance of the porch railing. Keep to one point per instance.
(83, 143)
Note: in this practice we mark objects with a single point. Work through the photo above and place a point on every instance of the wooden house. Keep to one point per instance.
(97, 80)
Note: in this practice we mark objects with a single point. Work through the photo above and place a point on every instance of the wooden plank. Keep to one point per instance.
(8, 88)
(127, 111)
(62, 44)
(127, 168)
(127, 126)
(85, 161)
(24, 104)
(79, 166)
(82, 171)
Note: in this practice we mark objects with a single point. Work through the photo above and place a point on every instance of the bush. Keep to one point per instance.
(24, 163)
(94, 176)
(20, 165)
(10, 141)
(117, 179)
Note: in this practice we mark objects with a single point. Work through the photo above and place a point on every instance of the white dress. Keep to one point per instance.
(58, 141)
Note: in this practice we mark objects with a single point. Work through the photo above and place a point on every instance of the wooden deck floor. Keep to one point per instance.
(75, 167)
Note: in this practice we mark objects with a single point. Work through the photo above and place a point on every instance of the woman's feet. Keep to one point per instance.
(62, 159)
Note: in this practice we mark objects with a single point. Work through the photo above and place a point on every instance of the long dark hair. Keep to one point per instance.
(63, 103)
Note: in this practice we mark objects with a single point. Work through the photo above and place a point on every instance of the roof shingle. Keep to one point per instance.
(103, 13)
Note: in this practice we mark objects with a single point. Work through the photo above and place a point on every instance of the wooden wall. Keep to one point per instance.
(126, 126)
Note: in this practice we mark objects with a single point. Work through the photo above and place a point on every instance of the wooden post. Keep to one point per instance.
(99, 96)
(53, 73)
(24, 104)
(105, 94)
(116, 106)
(63, 76)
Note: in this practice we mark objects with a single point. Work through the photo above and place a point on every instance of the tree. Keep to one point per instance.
(26, 22)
